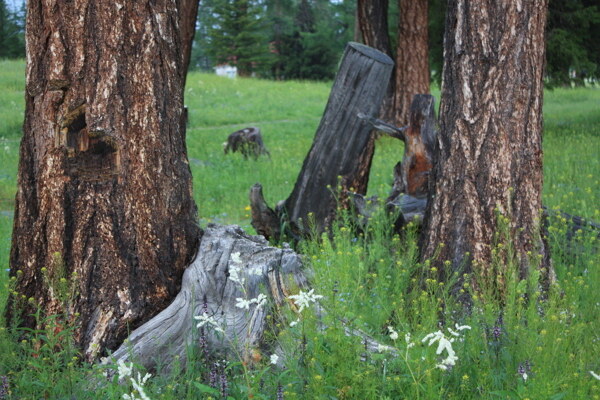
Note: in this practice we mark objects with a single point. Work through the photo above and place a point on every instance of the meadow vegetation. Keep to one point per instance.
(536, 346)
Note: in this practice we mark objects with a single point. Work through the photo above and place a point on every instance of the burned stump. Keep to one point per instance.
(247, 141)
(338, 150)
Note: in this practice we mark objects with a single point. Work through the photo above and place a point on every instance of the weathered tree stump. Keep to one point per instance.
(210, 285)
(340, 141)
(230, 267)
(247, 141)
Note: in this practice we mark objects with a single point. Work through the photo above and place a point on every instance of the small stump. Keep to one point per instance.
(247, 141)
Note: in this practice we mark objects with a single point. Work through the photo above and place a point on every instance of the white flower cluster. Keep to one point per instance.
(303, 300)
(445, 344)
(260, 301)
(126, 371)
(206, 319)
(235, 269)
(393, 333)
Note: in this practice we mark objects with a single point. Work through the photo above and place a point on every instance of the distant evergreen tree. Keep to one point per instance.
(12, 32)
(572, 43)
(236, 35)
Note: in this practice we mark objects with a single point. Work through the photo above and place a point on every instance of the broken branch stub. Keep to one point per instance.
(230, 266)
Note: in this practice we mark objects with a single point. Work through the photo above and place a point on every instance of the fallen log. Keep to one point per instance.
(339, 145)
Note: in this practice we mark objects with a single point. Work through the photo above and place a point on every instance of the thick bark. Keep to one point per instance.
(104, 188)
(188, 13)
(489, 156)
(341, 138)
(372, 20)
(412, 58)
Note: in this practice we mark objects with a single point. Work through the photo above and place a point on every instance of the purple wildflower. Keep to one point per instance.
(279, 392)
(4, 387)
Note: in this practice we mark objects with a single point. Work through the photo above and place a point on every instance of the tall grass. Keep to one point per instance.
(538, 346)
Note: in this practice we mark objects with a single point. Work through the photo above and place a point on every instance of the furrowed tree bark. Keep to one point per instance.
(104, 195)
(188, 14)
(489, 156)
(341, 138)
(412, 58)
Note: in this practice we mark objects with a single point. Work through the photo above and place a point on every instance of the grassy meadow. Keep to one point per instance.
(538, 346)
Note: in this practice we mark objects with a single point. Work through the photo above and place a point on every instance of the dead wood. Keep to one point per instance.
(338, 153)
(247, 141)
(211, 287)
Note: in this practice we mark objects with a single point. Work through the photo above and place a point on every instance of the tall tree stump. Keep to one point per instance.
(341, 140)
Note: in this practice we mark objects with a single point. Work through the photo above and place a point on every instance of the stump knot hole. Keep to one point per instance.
(92, 155)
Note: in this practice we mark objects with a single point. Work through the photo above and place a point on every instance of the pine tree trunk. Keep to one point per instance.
(188, 14)
(104, 188)
(412, 57)
(489, 156)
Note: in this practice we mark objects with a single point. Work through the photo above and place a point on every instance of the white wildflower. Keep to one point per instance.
(243, 303)
(393, 333)
(409, 344)
(234, 274)
(595, 375)
(205, 319)
(444, 344)
(462, 327)
(260, 301)
(139, 387)
(524, 375)
(303, 299)
(274, 359)
(235, 258)
(124, 370)
(294, 323)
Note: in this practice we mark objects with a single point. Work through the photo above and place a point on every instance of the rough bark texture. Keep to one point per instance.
(207, 287)
(188, 13)
(104, 185)
(412, 58)
(341, 138)
(489, 157)
(372, 20)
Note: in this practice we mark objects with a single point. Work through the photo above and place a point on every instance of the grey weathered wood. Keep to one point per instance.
(339, 148)
(206, 286)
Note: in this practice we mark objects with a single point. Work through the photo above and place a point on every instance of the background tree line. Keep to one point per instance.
(303, 39)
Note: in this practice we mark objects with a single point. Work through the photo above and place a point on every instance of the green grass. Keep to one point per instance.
(364, 279)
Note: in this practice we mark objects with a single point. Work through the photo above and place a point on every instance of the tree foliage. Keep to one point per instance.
(12, 32)
(573, 43)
